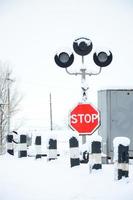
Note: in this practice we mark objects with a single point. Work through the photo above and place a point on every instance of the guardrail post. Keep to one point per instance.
(38, 142)
(10, 145)
(95, 159)
(52, 149)
(121, 157)
(74, 151)
(22, 146)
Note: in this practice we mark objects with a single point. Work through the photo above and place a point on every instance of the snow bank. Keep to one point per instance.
(30, 179)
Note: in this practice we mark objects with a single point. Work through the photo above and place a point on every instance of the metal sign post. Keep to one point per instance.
(84, 86)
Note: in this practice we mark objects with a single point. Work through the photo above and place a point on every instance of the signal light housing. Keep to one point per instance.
(82, 46)
(64, 59)
(102, 58)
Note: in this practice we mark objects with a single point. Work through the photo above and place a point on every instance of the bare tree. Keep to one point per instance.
(9, 101)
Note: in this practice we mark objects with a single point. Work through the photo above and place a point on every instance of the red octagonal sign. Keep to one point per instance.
(85, 119)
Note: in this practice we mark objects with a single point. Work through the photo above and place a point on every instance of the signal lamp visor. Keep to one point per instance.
(82, 46)
(64, 59)
(102, 58)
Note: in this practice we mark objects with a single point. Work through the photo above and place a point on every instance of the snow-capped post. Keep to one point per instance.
(52, 149)
(10, 145)
(10, 142)
(74, 151)
(29, 140)
(95, 159)
(22, 146)
(121, 157)
(38, 142)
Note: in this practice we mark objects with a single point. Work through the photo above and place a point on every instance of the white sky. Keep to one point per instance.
(32, 31)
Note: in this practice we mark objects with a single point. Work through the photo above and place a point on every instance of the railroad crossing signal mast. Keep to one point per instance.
(83, 46)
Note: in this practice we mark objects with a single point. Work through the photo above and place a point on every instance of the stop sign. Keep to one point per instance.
(85, 119)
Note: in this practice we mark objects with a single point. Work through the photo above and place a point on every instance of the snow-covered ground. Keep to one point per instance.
(30, 179)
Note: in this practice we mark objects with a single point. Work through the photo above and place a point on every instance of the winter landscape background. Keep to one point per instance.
(30, 34)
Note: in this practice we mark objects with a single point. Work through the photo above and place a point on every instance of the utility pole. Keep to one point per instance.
(8, 102)
(2, 150)
(51, 120)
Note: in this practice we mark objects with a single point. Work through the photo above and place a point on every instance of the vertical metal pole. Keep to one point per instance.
(51, 120)
(84, 95)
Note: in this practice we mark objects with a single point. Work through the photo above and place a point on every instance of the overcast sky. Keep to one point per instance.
(32, 31)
